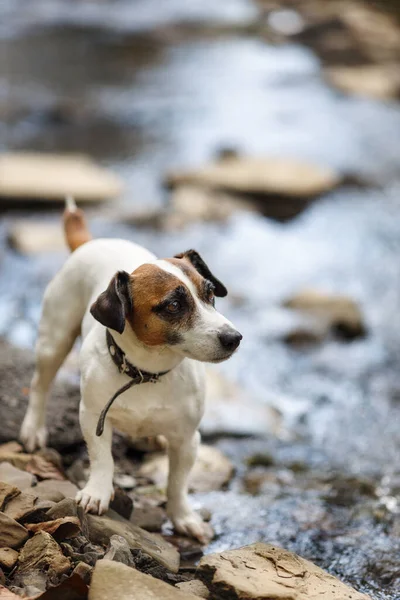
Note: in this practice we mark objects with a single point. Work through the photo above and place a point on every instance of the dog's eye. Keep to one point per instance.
(211, 296)
(174, 307)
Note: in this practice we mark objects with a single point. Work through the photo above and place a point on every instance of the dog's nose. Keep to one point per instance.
(230, 339)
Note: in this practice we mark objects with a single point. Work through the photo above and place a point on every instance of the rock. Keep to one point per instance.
(122, 503)
(195, 587)
(15, 477)
(150, 518)
(230, 410)
(2, 579)
(42, 553)
(101, 529)
(16, 368)
(212, 470)
(16, 459)
(84, 571)
(6, 594)
(340, 312)
(10, 447)
(12, 534)
(21, 507)
(31, 237)
(60, 529)
(73, 588)
(21, 177)
(266, 572)
(114, 580)
(376, 81)
(119, 550)
(269, 180)
(55, 490)
(7, 492)
(44, 468)
(125, 482)
(8, 558)
(32, 582)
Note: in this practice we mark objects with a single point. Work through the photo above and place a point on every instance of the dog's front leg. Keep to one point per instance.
(182, 455)
(97, 493)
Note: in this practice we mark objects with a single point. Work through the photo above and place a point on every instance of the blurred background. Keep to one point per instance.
(265, 134)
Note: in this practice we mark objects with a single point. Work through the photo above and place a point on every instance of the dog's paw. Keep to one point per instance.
(33, 435)
(94, 499)
(192, 525)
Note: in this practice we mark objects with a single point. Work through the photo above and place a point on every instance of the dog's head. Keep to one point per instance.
(171, 303)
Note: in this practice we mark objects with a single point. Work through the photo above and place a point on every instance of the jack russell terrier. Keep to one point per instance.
(147, 326)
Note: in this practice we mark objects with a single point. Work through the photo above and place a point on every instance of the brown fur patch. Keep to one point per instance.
(150, 285)
(187, 268)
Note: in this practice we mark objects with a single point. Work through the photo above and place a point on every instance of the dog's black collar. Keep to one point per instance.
(124, 366)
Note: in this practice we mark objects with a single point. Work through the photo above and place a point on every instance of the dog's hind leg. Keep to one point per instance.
(59, 327)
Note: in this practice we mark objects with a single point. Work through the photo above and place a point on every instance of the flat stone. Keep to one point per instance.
(282, 177)
(44, 468)
(101, 529)
(7, 492)
(230, 410)
(31, 237)
(12, 534)
(16, 477)
(21, 177)
(60, 529)
(21, 507)
(150, 518)
(119, 550)
(55, 490)
(266, 572)
(195, 587)
(10, 447)
(8, 558)
(113, 580)
(211, 471)
(44, 554)
(341, 313)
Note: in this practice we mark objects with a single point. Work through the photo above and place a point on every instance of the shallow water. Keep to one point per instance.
(143, 103)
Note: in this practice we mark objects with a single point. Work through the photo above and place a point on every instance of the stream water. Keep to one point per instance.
(115, 80)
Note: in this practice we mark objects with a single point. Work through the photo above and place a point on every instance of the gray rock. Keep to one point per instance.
(13, 476)
(84, 571)
(16, 369)
(150, 518)
(12, 534)
(7, 492)
(119, 550)
(55, 490)
(101, 529)
(113, 580)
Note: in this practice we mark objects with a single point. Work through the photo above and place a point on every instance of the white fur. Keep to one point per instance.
(173, 407)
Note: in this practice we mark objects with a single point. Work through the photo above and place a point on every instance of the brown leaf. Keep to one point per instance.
(43, 468)
(60, 529)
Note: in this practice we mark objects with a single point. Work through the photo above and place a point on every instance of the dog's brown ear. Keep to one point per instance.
(114, 304)
(200, 266)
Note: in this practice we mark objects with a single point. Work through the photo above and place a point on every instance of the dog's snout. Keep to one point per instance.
(230, 339)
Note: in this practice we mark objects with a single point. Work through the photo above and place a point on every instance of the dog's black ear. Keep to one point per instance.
(115, 303)
(200, 266)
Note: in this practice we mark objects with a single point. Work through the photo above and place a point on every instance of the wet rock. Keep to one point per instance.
(376, 81)
(60, 529)
(21, 177)
(16, 368)
(12, 534)
(101, 529)
(195, 587)
(7, 492)
(15, 477)
(212, 470)
(55, 490)
(148, 517)
(269, 180)
(8, 558)
(230, 410)
(114, 580)
(266, 572)
(30, 237)
(42, 553)
(119, 550)
(341, 313)
(21, 507)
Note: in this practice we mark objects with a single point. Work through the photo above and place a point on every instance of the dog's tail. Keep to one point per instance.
(75, 227)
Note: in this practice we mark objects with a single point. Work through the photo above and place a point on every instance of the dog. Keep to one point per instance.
(147, 326)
